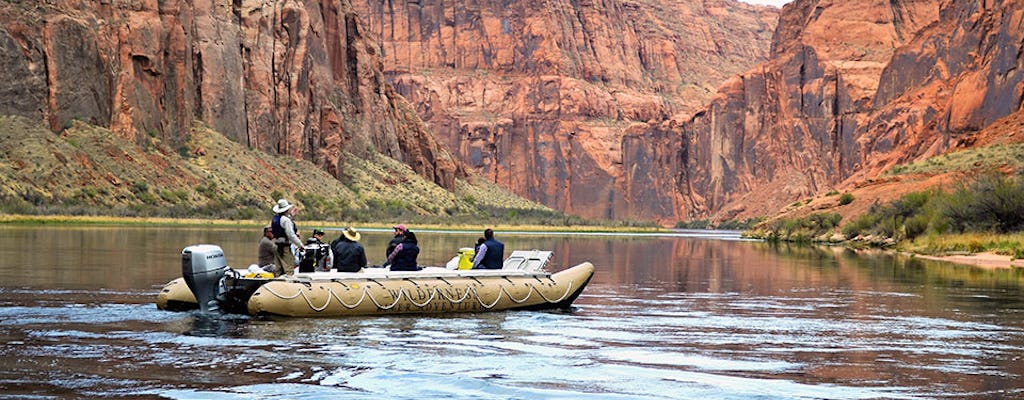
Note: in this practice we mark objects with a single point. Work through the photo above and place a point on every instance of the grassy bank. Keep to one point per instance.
(966, 243)
(982, 215)
(255, 224)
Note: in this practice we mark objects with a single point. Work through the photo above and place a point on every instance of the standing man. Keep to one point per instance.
(286, 234)
(267, 250)
(490, 254)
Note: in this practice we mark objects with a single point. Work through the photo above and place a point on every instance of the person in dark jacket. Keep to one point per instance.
(490, 254)
(349, 255)
(400, 230)
(404, 256)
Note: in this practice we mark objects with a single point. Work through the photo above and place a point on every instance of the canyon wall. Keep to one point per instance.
(789, 128)
(297, 78)
(569, 103)
(851, 90)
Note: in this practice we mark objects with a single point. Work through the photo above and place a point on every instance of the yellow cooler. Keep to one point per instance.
(466, 258)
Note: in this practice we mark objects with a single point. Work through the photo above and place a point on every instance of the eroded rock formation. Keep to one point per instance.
(853, 89)
(293, 77)
(568, 103)
(792, 126)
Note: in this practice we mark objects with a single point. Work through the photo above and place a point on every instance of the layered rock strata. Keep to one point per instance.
(792, 127)
(292, 77)
(568, 103)
(852, 89)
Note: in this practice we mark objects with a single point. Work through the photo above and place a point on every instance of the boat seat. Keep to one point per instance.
(527, 260)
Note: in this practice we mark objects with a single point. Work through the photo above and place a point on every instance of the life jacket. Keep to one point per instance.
(495, 255)
(405, 260)
(278, 230)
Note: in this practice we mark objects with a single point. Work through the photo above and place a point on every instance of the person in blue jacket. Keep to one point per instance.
(490, 254)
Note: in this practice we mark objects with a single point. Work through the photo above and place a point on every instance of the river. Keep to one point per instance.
(684, 316)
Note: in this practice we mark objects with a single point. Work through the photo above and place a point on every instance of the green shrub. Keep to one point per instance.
(845, 199)
(746, 224)
(994, 202)
(694, 224)
(991, 203)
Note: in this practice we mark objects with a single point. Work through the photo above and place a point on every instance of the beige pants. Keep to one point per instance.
(285, 260)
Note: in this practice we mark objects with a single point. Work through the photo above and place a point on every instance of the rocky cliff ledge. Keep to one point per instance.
(564, 101)
(298, 78)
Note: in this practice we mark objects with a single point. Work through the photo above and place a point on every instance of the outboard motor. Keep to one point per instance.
(203, 267)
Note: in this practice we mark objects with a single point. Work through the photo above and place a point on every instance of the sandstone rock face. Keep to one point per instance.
(797, 124)
(853, 89)
(23, 91)
(956, 78)
(569, 103)
(295, 77)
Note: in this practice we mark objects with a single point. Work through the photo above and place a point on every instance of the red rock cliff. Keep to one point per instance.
(796, 124)
(852, 89)
(957, 77)
(293, 77)
(552, 99)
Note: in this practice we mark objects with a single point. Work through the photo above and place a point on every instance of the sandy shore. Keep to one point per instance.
(985, 260)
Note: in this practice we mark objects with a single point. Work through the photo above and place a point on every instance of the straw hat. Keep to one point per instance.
(282, 206)
(351, 234)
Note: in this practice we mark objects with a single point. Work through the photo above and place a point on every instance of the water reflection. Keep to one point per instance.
(218, 325)
(664, 317)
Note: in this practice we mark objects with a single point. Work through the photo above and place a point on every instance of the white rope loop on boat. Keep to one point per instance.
(433, 295)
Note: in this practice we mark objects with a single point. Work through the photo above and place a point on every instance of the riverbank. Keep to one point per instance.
(329, 225)
(983, 260)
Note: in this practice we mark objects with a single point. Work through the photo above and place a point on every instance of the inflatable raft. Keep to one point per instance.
(521, 284)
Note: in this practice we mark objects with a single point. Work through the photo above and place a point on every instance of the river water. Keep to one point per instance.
(687, 316)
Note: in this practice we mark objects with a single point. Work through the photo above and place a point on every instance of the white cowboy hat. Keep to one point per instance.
(282, 206)
(351, 234)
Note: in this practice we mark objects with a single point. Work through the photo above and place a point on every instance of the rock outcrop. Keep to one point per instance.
(954, 79)
(852, 89)
(293, 77)
(794, 125)
(568, 103)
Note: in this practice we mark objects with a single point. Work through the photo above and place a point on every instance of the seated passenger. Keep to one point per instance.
(315, 256)
(404, 256)
(349, 255)
(490, 254)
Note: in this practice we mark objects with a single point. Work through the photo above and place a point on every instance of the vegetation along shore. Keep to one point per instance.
(979, 221)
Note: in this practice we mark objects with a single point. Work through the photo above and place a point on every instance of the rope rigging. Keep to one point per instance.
(435, 293)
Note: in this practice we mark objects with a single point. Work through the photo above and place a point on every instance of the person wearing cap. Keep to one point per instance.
(490, 254)
(286, 234)
(267, 250)
(404, 256)
(349, 255)
(399, 237)
(315, 256)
